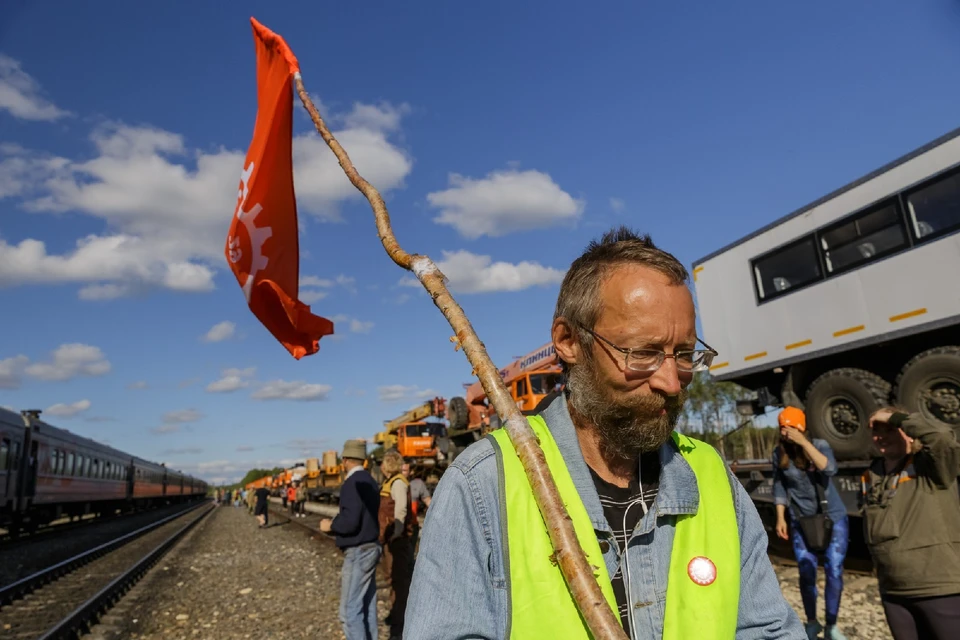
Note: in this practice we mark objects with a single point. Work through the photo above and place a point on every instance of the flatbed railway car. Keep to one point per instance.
(47, 473)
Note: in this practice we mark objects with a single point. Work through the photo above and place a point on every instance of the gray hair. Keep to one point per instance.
(391, 463)
(579, 300)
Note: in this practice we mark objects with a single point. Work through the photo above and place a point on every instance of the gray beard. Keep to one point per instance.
(629, 426)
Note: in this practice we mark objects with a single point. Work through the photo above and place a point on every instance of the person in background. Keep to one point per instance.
(799, 466)
(419, 493)
(292, 499)
(260, 510)
(283, 494)
(301, 500)
(398, 525)
(911, 524)
(357, 533)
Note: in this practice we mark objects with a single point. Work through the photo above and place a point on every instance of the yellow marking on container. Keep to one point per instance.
(849, 330)
(719, 365)
(797, 345)
(754, 356)
(695, 272)
(908, 314)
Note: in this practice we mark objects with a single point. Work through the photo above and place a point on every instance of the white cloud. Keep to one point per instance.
(20, 94)
(220, 332)
(68, 410)
(166, 206)
(359, 326)
(617, 204)
(396, 392)
(139, 384)
(311, 296)
(69, 361)
(471, 273)
(504, 202)
(292, 390)
(10, 370)
(181, 416)
(165, 429)
(231, 380)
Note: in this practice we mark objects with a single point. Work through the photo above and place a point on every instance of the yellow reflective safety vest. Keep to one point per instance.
(703, 585)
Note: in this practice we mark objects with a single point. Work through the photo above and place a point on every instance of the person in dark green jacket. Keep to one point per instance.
(911, 509)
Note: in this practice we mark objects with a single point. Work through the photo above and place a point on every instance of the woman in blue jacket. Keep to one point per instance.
(799, 466)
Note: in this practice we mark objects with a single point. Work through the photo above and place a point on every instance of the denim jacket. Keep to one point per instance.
(460, 582)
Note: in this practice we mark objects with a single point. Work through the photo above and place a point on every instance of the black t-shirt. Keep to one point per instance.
(623, 509)
(262, 494)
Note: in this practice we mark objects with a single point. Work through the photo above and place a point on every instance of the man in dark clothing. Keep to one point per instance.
(260, 510)
(357, 532)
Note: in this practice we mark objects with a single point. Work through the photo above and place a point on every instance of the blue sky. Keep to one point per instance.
(503, 136)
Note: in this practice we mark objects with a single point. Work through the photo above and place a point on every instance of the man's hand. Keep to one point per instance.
(881, 416)
(793, 435)
(325, 525)
(781, 528)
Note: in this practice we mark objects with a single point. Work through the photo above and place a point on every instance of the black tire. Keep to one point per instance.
(838, 407)
(457, 413)
(930, 384)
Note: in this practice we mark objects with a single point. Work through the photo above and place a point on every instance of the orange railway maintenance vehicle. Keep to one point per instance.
(419, 436)
(529, 379)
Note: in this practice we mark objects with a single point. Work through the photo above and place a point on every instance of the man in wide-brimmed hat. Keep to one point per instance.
(357, 534)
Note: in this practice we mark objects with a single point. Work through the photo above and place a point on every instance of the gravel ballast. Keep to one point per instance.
(861, 614)
(230, 580)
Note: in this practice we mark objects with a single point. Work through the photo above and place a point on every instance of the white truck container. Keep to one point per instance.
(848, 303)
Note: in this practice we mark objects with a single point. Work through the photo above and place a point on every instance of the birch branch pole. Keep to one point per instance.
(569, 554)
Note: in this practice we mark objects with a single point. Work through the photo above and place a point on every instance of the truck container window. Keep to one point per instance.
(935, 208)
(866, 237)
(521, 387)
(787, 268)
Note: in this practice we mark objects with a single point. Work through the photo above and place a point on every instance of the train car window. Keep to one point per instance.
(68, 470)
(86, 466)
(4, 453)
(96, 468)
(787, 268)
(868, 236)
(15, 463)
(934, 209)
(52, 466)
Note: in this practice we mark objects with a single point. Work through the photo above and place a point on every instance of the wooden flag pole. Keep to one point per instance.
(568, 552)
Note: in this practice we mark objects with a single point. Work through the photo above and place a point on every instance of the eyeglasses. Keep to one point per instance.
(647, 360)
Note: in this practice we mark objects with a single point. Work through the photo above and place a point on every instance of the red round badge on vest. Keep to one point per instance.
(702, 571)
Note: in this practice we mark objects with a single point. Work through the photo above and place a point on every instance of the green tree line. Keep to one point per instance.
(710, 414)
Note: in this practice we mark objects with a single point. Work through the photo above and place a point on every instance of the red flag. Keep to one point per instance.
(262, 248)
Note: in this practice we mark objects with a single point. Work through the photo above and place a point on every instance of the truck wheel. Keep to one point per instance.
(457, 413)
(838, 406)
(930, 384)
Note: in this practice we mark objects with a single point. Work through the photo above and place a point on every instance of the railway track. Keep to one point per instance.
(62, 601)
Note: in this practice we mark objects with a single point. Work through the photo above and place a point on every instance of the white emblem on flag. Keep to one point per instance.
(702, 571)
(258, 235)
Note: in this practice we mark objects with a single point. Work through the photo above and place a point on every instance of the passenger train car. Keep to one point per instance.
(47, 473)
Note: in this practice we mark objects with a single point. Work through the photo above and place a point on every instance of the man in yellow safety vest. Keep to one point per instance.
(678, 547)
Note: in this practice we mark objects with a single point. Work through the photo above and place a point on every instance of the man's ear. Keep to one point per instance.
(565, 341)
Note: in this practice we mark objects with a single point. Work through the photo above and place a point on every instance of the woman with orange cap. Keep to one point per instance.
(803, 487)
